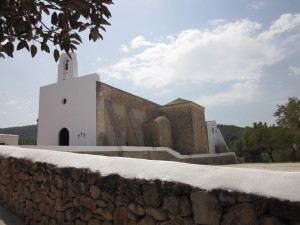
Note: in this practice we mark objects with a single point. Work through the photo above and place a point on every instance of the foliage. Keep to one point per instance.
(232, 135)
(268, 143)
(26, 141)
(23, 24)
(288, 115)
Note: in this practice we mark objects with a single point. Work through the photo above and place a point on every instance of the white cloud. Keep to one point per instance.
(163, 92)
(25, 105)
(295, 70)
(124, 48)
(140, 42)
(285, 23)
(238, 92)
(230, 52)
(216, 21)
(256, 4)
(3, 113)
(11, 102)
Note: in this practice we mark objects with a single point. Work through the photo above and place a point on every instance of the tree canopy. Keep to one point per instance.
(288, 115)
(24, 24)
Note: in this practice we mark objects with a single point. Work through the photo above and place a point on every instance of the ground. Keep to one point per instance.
(287, 167)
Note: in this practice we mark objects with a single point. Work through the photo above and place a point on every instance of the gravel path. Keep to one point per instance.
(287, 167)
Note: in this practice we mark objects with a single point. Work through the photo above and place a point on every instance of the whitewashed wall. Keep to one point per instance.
(78, 115)
(215, 136)
(9, 139)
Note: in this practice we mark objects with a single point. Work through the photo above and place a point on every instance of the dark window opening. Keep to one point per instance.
(67, 65)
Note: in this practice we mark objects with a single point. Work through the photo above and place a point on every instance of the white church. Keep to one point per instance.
(82, 111)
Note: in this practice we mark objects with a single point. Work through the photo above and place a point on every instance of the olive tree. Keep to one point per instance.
(24, 24)
(288, 117)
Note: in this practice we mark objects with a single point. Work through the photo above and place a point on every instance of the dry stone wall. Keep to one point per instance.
(43, 194)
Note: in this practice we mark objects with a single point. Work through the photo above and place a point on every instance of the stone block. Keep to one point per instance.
(76, 174)
(53, 222)
(157, 213)
(71, 214)
(241, 214)
(94, 222)
(168, 222)
(107, 223)
(45, 220)
(136, 209)
(206, 208)
(176, 219)
(60, 216)
(285, 210)
(226, 199)
(59, 181)
(152, 194)
(79, 222)
(84, 201)
(188, 221)
(101, 203)
(120, 216)
(185, 206)
(85, 214)
(147, 220)
(122, 200)
(107, 212)
(172, 204)
(269, 221)
(94, 191)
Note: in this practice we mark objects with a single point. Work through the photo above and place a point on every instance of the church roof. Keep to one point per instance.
(181, 101)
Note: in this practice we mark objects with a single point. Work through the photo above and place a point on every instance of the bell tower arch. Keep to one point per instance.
(67, 67)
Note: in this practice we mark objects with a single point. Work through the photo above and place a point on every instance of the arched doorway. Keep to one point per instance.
(64, 137)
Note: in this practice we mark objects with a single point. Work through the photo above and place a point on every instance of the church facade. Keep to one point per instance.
(82, 111)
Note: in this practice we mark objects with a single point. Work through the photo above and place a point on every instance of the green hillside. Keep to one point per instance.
(28, 134)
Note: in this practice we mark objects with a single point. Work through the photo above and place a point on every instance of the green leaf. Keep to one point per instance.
(45, 47)
(33, 50)
(9, 49)
(26, 45)
(20, 45)
(54, 18)
(82, 28)
(56, 55)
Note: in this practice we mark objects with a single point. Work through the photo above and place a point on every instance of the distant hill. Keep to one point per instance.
(27, 134)
(231, 132)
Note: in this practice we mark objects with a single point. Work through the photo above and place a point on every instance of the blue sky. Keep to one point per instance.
(237, 58)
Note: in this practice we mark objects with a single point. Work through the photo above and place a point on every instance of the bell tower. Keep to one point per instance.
(67, 67)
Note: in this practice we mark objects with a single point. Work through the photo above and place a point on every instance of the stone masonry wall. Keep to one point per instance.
(42, 194)
(142, 110)
(182, 128)
(200, 130)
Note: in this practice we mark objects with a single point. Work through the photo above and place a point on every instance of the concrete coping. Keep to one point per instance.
(125, 149)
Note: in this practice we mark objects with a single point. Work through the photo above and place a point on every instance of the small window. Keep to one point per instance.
(213, 130)
(64, 101)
